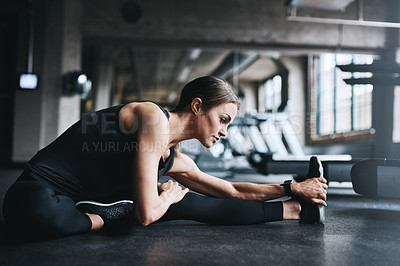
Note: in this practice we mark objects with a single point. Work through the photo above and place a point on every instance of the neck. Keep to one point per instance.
(180, 127)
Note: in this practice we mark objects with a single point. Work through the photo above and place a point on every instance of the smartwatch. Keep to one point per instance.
(287, 185)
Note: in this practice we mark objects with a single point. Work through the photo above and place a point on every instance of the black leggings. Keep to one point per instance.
(34, 206)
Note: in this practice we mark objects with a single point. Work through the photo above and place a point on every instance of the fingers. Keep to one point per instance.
(321, 180)
(320, 201)
(177, 187)
(170, 185)
(180, 193)
(315, 190)
(174, 191)
(322, 196)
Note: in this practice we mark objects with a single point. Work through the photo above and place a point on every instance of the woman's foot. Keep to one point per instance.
(109, 213)
(312, 212)
(315, 168)
(304, 212)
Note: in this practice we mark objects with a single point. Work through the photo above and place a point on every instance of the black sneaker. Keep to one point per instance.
(111, 213)
(313, 212)
(315, 168)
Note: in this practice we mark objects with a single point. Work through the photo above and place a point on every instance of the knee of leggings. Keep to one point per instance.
(28, 205)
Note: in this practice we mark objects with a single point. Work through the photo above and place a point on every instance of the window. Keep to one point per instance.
(340, 108)
(396, 115)
(272, 89)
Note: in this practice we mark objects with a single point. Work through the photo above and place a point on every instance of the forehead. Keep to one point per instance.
(227, 108)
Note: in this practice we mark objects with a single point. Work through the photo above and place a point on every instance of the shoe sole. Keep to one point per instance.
(320, 168)
(103, 204)
(321, 213)
(321, 208)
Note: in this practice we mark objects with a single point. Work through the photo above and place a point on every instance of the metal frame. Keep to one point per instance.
(292, 16)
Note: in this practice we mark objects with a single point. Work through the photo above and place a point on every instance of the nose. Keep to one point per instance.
(222, 132)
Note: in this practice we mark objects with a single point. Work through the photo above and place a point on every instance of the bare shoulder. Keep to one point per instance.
(146, 110)
(144, 116)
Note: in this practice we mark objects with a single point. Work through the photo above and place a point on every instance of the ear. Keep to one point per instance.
(196, 105)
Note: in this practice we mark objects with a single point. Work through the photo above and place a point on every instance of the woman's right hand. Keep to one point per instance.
(312, 190)
(172, 190)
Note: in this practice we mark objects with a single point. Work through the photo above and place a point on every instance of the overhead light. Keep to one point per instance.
(184, 74)
(172, 96)
(194, 54)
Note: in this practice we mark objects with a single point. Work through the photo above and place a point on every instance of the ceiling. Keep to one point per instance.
(159, 73)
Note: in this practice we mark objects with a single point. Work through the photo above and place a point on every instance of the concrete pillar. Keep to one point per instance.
(50, 72)
(69, 107)
(41, 115)
(297, 92)
(383, 95)
(250, 91)
(104, 84)
(36, 111)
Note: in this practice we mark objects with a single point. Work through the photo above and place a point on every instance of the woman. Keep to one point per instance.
(106, 166)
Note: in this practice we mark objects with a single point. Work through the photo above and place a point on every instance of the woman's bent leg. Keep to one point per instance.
(33, 208)
(223, 211)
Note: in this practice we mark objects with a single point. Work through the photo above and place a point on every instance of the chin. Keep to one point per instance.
(207, 144)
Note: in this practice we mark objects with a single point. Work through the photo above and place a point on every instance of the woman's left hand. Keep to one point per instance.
(311, 190)
(162, 187)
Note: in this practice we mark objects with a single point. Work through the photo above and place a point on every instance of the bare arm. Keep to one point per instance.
(188, 174)
(152, 142)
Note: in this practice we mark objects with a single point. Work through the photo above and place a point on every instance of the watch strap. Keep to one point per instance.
(287, 185)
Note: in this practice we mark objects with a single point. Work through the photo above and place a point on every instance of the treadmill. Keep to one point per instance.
(270, 154)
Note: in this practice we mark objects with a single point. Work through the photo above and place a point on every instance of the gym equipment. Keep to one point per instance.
(335, 170)
(276, 127)
(278, 151)
(270, 145)
(377, 178)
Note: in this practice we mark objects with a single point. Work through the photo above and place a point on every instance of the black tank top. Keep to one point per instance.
(92, 159)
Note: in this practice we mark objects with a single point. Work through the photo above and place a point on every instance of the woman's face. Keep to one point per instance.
(212, 124)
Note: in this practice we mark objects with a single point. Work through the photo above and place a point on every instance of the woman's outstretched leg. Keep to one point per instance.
(223, 211)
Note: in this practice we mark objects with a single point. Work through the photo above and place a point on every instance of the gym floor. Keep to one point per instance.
(358, 231)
